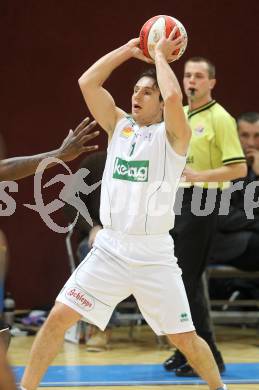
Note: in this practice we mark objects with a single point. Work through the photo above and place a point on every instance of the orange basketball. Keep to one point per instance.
(155, 28)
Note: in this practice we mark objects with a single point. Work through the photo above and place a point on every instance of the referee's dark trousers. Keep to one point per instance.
(192, 234)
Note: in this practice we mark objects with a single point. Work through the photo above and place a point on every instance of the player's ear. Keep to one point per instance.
(212, 83)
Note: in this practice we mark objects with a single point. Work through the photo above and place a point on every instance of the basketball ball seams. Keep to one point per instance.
(144, 35)
(170, 24)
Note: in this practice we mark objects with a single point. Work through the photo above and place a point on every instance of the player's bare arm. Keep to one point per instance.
(99, 101)
(178, 131)
(72, 146)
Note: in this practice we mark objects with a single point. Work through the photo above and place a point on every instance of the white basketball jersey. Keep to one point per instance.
(140, 180)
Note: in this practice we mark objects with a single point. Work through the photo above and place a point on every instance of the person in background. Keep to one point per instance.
(214, 156)
(236, 241)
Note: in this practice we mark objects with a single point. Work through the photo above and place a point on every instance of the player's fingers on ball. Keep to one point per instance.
(173, 32)
(179, 45)
(179, 40)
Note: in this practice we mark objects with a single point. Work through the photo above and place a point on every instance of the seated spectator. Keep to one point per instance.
(236, 242)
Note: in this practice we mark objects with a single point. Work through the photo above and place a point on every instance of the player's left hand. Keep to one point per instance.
(169, 45)
(133, 44)
(74, 144)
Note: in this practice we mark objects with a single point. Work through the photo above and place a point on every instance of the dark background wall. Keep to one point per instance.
(45, 46)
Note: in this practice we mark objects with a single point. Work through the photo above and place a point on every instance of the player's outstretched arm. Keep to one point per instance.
(73, 145)
(98, 99)
(178, 131)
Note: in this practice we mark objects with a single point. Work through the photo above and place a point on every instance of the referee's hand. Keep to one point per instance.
(190, 175)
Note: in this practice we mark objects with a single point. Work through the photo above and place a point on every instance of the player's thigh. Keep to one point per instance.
(162, 299)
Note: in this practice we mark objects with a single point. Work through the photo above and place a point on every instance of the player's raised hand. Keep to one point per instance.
(169, 46)
(133, 44)
(74, 144)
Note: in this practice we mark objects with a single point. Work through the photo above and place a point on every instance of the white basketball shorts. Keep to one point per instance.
(120, 265)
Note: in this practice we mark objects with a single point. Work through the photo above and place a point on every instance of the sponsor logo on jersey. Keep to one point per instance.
(131, 170)
(199, 130)
(127, 132)
(80, 298)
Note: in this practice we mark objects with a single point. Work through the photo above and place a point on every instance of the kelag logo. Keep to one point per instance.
(131, 170)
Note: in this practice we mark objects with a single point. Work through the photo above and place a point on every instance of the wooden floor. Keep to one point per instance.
(236, 344)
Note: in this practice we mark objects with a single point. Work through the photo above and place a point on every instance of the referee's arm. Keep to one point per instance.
(227, 172)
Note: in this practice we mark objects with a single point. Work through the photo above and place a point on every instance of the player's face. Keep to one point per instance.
(249, 135)
(146, 106)
(196, 78)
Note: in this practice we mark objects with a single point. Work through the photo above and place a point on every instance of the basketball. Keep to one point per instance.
(155, 28)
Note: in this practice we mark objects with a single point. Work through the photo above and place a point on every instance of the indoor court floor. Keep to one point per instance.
(238, 345)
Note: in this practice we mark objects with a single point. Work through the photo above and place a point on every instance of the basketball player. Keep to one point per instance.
(19, 167)
(133, 253)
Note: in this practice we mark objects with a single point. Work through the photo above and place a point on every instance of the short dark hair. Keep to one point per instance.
(250, 117)
(211, 66)
(151, 72)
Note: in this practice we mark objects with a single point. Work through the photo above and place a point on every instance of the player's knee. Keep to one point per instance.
(183, 341)
(62, 317)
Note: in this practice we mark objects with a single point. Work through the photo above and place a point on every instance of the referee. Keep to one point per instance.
(215, 156)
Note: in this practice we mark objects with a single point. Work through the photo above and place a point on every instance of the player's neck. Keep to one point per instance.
(194, 104)
(151, 121)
